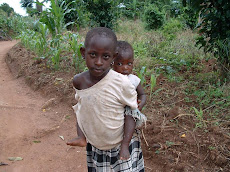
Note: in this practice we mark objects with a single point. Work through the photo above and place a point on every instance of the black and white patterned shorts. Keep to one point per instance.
(109, 160)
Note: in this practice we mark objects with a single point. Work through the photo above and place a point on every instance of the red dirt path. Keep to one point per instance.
(23, 123)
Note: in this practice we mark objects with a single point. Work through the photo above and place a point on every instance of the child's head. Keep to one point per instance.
(123, 63)
(99, 51)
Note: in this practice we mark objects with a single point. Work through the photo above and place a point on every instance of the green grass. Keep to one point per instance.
(181, 62)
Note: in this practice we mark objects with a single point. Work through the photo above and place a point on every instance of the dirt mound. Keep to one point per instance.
(38, 76)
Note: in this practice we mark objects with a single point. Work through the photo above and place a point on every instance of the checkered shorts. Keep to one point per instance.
(109, 160)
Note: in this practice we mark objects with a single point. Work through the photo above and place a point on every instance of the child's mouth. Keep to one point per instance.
(125, 73)
(98, 70)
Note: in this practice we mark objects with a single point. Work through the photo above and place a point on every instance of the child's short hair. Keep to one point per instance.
(101, 31)
(123, 46)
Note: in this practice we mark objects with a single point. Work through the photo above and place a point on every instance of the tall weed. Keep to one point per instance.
(199, 116)
(153, 82)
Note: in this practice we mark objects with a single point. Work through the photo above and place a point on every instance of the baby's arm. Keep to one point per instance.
(141, 96)
(128, 133)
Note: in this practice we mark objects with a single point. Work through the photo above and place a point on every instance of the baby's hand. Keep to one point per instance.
(138, 102)
(140, 106)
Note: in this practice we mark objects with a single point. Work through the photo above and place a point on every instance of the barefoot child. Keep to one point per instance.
(102, 95)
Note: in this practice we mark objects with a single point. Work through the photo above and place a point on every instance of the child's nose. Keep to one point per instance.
(126, 67)
(98, 61)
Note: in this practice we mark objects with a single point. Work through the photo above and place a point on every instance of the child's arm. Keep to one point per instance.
(141, 96)
(128, 97)
(128, 133)
(80, 140)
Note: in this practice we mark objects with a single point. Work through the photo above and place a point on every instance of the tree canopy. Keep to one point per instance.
(5, 7)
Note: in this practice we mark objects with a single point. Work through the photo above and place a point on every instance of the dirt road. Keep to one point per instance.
(31, 132)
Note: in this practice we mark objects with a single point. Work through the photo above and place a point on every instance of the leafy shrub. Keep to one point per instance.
(14, 24)
(103, 12)
(5, 7)
(153, 17)
(171, 28)
(132, 9)
(214, 29)
(3, 20)
(190, 17)
(175, 9)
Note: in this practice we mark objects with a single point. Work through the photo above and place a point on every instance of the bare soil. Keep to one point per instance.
(31, 124)
(35, 109)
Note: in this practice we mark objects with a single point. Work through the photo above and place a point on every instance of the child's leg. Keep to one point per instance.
(128, 133)
(80, 140)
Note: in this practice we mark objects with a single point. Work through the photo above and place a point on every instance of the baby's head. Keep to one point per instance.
(123, 63)
(99, 50)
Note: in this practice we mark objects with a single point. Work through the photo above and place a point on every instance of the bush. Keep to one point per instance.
(153, 17)
(12, 26)
(3, 20)
(190, 17)
(103, 12)
(132, 9)
(214, 30)
(5, 7)
(171, 28)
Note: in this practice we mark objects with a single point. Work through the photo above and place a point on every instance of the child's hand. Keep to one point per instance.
(124, 152)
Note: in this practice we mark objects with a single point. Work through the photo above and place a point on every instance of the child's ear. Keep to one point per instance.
(82, 50)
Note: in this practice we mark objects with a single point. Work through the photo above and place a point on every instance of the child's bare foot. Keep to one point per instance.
(79, 141)
(124, 152)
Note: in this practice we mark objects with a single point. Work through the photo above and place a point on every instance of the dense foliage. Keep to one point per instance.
(214, 29)
(5, 7)
(103, 12)
(132, 9)
(28, 5)
(190, 17)
(153, 17)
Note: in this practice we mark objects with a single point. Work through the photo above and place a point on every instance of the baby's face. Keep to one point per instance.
(124, 63)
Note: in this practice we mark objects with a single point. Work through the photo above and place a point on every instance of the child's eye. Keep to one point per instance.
(92, 54)
(106, 57)
(130, 64)
(119, 64)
